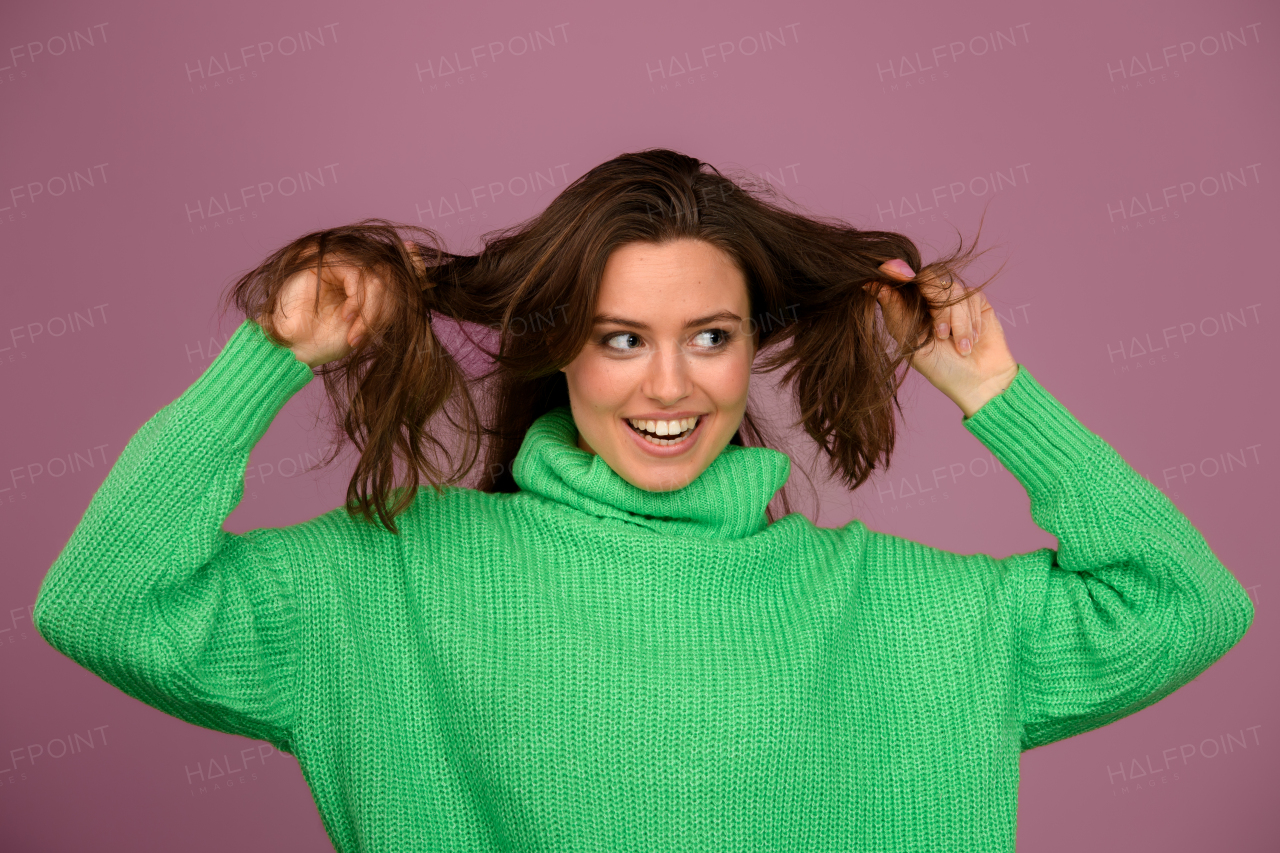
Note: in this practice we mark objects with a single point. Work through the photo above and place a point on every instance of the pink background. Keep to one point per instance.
(1124, 153)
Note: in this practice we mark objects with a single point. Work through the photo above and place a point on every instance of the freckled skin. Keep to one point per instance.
(667, 367)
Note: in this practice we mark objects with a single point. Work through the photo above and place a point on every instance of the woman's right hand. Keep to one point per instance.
(320, 335)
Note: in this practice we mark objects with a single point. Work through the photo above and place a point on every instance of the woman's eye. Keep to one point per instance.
(721, 337)
(617, 335)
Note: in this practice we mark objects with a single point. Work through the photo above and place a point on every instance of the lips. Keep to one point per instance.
(668, 437)
(663, 446)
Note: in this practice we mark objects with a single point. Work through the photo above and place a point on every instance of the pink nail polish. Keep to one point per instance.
(901, 267)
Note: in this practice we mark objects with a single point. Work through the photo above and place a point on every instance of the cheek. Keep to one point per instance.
(597, 383)
(727, 380)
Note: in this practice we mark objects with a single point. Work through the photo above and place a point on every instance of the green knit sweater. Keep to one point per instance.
(587, 666)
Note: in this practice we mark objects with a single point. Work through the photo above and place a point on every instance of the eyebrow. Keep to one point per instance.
(602, 319)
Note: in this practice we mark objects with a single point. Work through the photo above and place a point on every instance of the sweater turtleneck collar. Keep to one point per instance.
(726, 501)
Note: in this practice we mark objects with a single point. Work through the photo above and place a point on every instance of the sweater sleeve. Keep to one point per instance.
(1131, 606)
(152, 595)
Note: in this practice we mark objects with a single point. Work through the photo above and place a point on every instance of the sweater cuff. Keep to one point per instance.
(246, 385)
(1031, 433)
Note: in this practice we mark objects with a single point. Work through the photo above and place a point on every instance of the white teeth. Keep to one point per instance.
(657, 428)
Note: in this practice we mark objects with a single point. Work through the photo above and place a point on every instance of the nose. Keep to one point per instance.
(667, 379)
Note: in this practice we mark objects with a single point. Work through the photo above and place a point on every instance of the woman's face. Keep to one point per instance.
(670, 343)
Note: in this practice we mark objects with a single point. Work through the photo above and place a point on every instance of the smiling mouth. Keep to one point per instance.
(641, 428)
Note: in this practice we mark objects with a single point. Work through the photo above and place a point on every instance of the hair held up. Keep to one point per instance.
(416, 409)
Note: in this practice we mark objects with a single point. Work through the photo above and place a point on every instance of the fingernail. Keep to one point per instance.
(357, 341)
(965, 346)
(901, 267)
(943, 328)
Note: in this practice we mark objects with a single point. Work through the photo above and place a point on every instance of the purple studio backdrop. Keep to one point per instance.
(1123, 155)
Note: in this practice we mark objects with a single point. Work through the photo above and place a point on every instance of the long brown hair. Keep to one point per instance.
(533, 285)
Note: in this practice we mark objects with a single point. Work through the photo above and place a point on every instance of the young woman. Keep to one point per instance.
(610, 643)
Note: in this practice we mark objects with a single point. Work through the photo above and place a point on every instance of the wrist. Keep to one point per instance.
(974, 399)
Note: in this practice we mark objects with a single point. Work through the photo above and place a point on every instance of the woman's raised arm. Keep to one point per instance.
(1132, 604)
(153, 596)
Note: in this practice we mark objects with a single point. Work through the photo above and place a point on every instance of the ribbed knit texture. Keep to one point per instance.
(586, 666)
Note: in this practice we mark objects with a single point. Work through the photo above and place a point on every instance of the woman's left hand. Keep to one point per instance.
(969, 360)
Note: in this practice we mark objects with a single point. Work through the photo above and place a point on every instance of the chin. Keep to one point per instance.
(663, 475)
(664, 470)
(668, 479)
